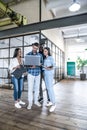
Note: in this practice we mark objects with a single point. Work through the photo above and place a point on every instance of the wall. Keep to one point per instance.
(74, 49)
(29, 8)
(46, 14)
(32, 13)
(55, 36)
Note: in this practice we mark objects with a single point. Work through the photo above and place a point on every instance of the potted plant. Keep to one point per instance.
(80, 65)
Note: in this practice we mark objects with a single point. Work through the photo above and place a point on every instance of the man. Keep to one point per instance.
(40, 90)
(34, 78)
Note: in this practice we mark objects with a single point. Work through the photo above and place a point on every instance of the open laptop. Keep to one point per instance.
(32, 60)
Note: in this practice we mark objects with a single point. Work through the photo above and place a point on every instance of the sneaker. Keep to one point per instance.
(21, 102)
(38, 104)
(49, 104)
(52, 108)
(17, 105)
(40, 100)
(28, 107)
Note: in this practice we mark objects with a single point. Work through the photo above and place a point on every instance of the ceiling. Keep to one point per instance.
(8, 17)
(7, 3)
(59, 8)
(11, 2)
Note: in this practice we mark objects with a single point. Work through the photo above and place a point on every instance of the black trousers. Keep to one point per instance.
(41, 90)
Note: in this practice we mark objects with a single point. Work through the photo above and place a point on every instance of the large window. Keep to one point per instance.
(25, 43)
(58, 56)
(28, 41)
(4, 56)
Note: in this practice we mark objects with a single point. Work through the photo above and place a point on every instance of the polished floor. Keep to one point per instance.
(70, 112)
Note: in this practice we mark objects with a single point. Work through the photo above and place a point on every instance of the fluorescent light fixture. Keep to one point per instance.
(79, 40)
(74, 7)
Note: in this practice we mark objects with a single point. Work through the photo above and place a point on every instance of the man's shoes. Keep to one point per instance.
(17, 105)
(52, 108)
(37, 104)
(28, 107)
(21, 102)
(40, 100)
(49, 104)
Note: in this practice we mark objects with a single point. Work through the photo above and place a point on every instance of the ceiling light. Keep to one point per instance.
(79, 39)
(74, 7)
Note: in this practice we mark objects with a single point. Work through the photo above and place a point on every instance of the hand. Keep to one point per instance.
(49, 67)
(33, 66)
(25, 73)
(18, 66)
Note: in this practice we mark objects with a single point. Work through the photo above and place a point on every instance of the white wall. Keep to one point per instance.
(46, 14)
(30, 9)
(74, 49)
(55, 36)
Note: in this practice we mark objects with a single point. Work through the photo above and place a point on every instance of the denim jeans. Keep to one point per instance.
(18, 87)
(48, 77)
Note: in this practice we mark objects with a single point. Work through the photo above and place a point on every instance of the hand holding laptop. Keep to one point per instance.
(33, 66)
(32, 61)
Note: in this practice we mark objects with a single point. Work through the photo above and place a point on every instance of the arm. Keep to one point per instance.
(13, 65)
(51, 64)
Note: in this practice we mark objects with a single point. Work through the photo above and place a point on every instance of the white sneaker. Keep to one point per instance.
(28, 107)
(17, 105)
(37, 104)
(52, 108)
(21, 102)
(49, 104)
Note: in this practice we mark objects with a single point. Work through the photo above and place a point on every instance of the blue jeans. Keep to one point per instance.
(48, 77)
(18, 87)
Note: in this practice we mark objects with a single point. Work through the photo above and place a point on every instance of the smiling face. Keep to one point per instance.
(45, 52)
(19, 53)
(35, 48)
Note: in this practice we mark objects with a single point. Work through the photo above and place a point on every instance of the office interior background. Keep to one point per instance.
(56, 24)
(66, 42)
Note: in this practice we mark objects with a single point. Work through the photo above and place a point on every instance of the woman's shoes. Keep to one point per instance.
(21, 102)
(17, 105)
(52, 108)
(37, 104)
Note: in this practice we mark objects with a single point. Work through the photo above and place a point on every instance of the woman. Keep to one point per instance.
(17, 82)
(48, 77)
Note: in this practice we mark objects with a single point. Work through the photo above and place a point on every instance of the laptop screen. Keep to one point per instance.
(32, 60)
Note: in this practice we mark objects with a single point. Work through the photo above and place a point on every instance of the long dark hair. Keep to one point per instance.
(47, 48)
(16, 52)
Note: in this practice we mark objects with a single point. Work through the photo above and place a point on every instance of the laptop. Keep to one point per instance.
(19, 71)
(32, 60)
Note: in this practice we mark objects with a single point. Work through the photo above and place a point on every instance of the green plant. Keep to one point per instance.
(80, 64)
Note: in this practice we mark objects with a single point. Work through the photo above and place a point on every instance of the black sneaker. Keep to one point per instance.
(40, 100)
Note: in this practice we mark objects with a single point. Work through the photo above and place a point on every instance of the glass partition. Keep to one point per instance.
(4, 43)
(12, 51)
(16, 42)
(25, 43)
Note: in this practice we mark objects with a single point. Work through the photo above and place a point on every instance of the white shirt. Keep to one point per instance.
(14, 62)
